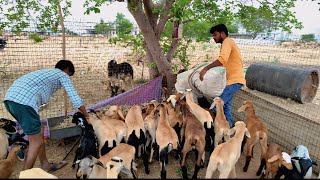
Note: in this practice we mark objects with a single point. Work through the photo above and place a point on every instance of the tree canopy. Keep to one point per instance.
(152, 16)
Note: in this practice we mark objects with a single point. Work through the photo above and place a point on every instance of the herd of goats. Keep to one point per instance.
(112, 141)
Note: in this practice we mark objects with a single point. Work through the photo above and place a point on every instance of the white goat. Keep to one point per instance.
(36, 173)
(225, 155)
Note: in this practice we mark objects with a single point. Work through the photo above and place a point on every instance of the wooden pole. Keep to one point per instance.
(63, 55)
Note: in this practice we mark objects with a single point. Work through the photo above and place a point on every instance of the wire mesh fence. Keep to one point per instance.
(290, 123)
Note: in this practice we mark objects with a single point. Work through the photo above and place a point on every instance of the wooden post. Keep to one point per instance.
(64, 57)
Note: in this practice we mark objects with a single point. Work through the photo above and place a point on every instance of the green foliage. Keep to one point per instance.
(267, 17)
(179, 171)
(308, 37)
(103, 28)
(182, 54)
(35, 37)
(123, 25)
(18, 15)
(133, 41)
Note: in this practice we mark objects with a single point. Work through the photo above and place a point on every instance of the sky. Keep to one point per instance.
(307, 12)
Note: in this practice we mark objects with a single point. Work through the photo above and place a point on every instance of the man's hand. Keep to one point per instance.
(202, 73)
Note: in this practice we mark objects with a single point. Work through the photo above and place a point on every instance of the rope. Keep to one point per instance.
(195, 90)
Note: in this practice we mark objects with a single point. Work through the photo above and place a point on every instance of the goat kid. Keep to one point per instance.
(166, 138)
(136, 133)
(221, 125)
(258, 131)
(88, 140)
(225, 155)
(194, 138)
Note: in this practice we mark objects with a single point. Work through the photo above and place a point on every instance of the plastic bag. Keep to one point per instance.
(213, 84)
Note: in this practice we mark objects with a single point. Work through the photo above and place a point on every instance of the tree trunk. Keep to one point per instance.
(154, 48)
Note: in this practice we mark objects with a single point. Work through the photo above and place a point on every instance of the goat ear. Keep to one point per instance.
(212, 105)
(242, 108)
(125, 170)
(121, 114)
(78, 161)
(273, 158)
(231, 132)
(287, 165)
(248, 134)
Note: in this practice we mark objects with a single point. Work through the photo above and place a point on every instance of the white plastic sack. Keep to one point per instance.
(213, 83)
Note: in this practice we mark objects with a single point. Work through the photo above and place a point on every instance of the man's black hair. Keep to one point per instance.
(219, 28)
(64, 64)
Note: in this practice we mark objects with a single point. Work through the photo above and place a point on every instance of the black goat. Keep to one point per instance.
(118, 74)
(88, 142)
(3, 43)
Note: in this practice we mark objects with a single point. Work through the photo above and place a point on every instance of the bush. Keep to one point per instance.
(308, 37)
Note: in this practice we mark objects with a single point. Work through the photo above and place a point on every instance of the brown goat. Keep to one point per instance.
(258, 131)
(194, 138)
(221, 125)
(166, 138)
(7, 166)
(274, 161)
(136, 133)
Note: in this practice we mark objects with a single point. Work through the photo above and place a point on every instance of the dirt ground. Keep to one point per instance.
(56, 153)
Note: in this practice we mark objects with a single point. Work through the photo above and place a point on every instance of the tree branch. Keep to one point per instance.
(163, 18)
(148, 7)
(172, 49)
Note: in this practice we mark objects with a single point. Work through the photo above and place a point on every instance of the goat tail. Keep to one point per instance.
(263, 143)
(212, 166)
(225, 134)
(170, 147)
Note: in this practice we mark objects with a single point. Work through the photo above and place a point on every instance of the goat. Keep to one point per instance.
(3, 43)
(166, 138)
(92, 168)
(150, 124)
(4, 144)
(258, 131)
(8, 125)
(115, 112)
(117, 124)
(194, 138)
(119, 72)
(225, 155)
(203, 116)
(105, 133)
(146, 111)
(124, 151)
(301, 160)
(7, 166)
(175, 120)
(136, 133)
(35, 173)
(88, 141)
(221, 125)
(274, 160)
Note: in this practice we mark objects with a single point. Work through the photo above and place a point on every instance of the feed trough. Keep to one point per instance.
(57, 132)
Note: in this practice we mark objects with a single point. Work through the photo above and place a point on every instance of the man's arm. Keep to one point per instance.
(211, 65)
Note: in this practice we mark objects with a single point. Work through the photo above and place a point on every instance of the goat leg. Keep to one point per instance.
(196, 171)
(184, 172)
(262, 165)
(245, 167)
(163, 159)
